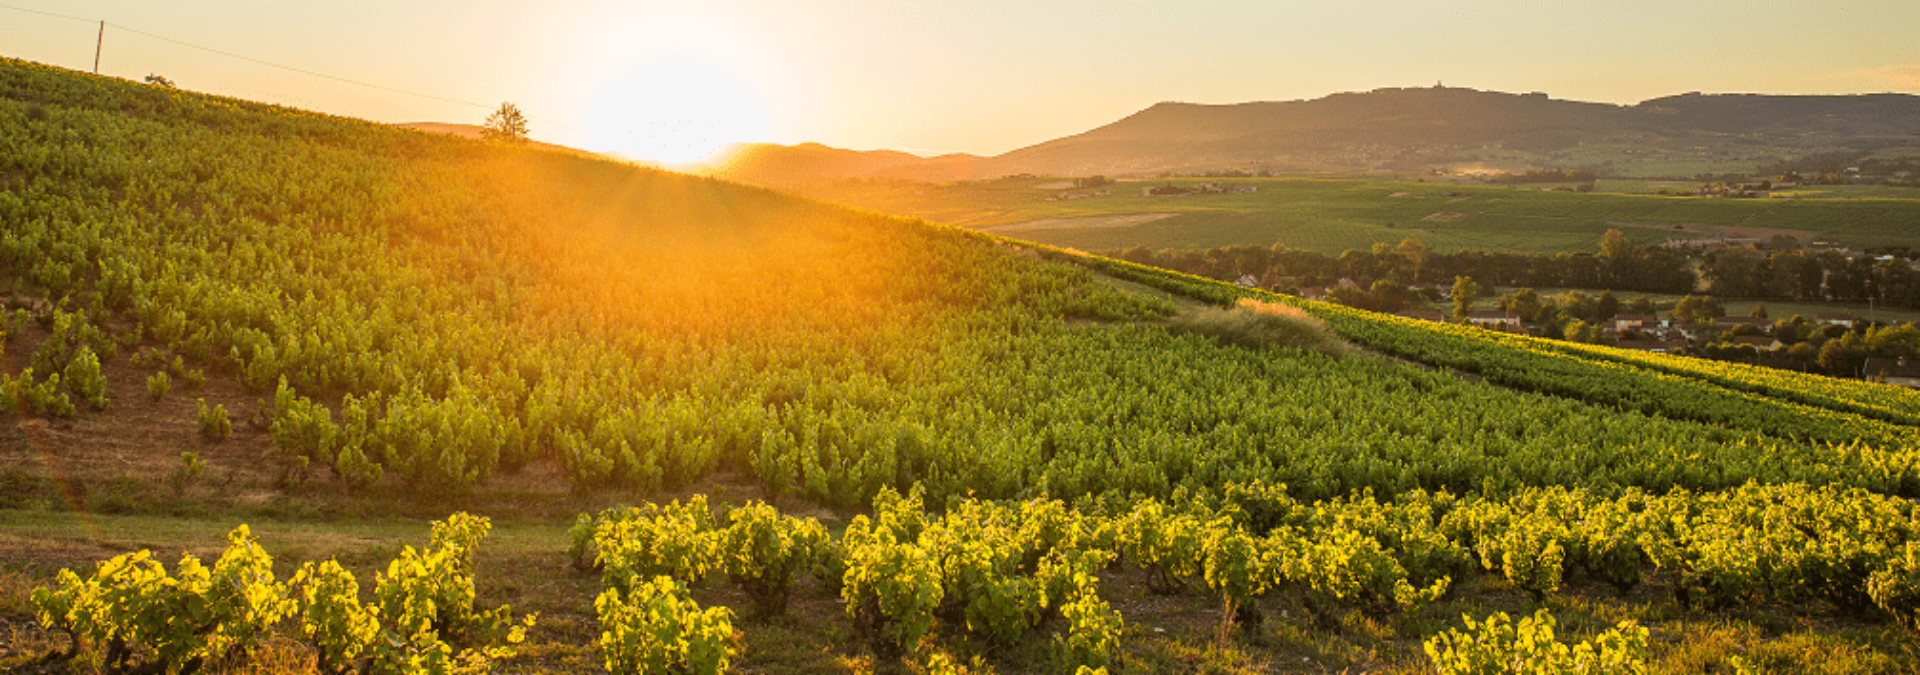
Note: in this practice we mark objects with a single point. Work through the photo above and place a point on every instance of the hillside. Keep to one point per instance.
(473, 132)
(862, 442)
(1414, 130)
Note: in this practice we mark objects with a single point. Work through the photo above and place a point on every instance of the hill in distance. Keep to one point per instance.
(1415, 129)
(793, 165)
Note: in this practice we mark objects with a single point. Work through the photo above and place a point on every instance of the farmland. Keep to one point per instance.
(428, 373)
(1330, 215)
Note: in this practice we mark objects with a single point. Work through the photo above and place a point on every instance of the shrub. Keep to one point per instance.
(761, 550)
(655, 628)
(189, 471)
(215, 426)
(24, 397)
(326, 600)
(1499, 646)
(158, 384)
(83, 377)
(133, 607)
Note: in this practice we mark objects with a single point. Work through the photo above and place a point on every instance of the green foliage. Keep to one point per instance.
(132, 607)
(425, 604)
(1895, 588)
(158, 384)
(188, 472)
(82, 376)
(1092, 639)
(215, 426)
(1497, 646)
(198, 617)
(638, 544)
(655, 628)
(761, 550)
(892, 587)
(326, 601)
(23, 396)
(1167, 545)
(303, 428)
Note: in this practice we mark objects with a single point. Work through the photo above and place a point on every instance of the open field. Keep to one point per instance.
(1332, 215)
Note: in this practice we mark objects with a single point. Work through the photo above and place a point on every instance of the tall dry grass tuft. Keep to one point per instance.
(1251, 323)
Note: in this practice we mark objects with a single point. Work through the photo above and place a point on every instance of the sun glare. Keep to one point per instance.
(676, 113)
(678, 94)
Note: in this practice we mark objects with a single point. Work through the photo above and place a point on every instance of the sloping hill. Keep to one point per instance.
(1411, 128)
(351, 324)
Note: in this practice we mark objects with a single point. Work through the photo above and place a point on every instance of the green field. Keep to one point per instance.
(854, 442)
(1333, 215)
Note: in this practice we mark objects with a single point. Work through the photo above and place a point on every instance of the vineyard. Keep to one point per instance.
(856, 441)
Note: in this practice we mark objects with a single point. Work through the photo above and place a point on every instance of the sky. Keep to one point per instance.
(675, 80)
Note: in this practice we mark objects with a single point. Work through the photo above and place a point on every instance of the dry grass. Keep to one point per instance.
(1251, 323)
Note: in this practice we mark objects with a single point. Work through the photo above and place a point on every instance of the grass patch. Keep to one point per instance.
(1251, 323)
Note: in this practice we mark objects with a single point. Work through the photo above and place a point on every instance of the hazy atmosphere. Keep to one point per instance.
(674, 80)
(959, 338)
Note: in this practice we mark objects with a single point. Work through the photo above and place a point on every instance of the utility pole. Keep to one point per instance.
(97, 41)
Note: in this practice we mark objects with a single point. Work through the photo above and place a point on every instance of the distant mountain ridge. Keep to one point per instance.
(1412, 129)
(790, 165)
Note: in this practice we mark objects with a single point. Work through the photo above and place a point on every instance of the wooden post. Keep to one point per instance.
(96, 47)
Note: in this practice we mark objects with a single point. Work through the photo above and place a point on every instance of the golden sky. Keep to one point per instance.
(670, 80)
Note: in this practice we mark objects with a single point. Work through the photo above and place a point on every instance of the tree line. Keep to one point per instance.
(1620, 265)
(1817, 276)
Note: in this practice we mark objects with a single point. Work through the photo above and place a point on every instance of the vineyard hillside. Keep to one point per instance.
(850, 441)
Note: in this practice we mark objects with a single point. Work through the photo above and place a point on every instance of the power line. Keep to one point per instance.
(275, 65)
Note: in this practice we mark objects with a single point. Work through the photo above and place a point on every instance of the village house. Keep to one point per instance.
(1655, 346)
(1834, 318)
(1494, 319)
(1247, 281)
(1727, 322)
(1625, 322)
(1757, 342)
(1901, 372)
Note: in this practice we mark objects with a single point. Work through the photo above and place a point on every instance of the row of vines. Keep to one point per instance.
(1001, 573)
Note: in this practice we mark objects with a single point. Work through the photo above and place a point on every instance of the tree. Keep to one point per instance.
(159, 81)
(1464, 293)
(506, 124)
(1614, 245)
(1416, 254)
(1605, 306)
(1641, 305)
(1759, 310)
(1525, 303)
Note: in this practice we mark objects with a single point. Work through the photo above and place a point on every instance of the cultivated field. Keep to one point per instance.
(1332, 215)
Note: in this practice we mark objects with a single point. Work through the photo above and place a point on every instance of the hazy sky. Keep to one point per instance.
(671, 79)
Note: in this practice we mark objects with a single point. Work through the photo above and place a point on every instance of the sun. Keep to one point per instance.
(675, 111)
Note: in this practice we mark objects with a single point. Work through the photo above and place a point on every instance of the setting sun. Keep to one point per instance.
(676, 87)
(675, 112)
